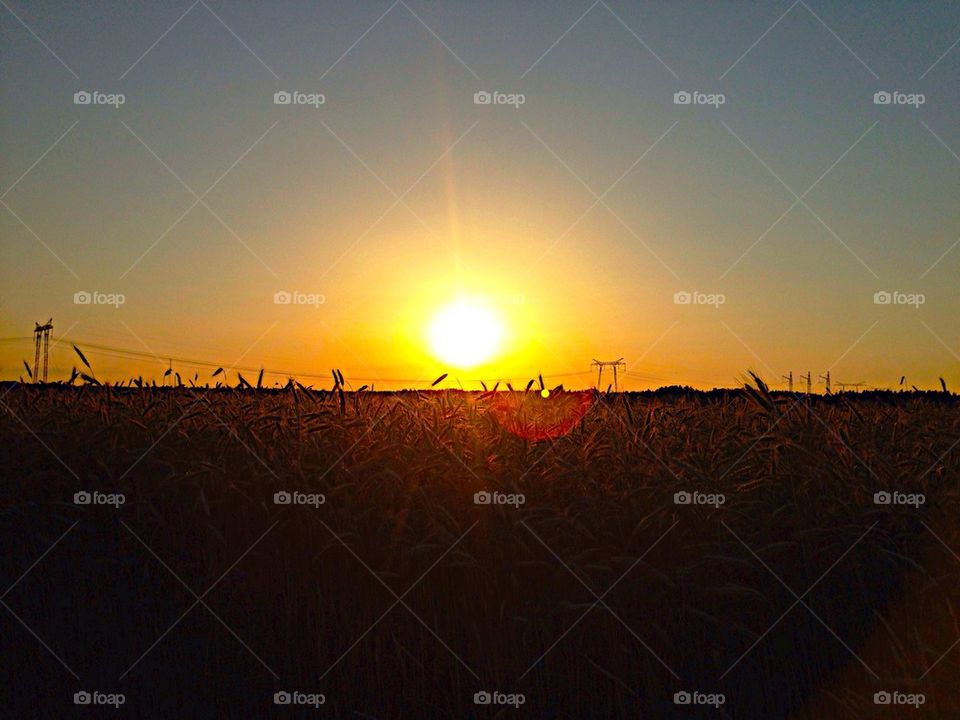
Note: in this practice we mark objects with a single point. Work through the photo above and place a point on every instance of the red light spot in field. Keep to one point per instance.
(535, 417)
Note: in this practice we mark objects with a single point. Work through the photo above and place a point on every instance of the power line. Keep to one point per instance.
(128, 353)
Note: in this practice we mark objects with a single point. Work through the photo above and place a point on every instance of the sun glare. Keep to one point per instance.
(465, 334)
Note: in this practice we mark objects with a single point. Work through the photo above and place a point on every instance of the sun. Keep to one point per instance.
(465, 334)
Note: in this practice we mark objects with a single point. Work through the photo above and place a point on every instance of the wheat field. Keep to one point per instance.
(400, 552)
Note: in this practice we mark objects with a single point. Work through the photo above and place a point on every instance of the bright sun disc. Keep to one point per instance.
(464, 334)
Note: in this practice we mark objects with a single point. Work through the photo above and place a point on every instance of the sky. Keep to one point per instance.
(590, 209)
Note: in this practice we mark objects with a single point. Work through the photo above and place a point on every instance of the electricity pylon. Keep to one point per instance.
(807, 377)
(826, 379)
(601, 364)
(41, 338)
(789, 379)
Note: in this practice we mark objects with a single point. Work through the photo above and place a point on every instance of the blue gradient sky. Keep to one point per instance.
(502, 202)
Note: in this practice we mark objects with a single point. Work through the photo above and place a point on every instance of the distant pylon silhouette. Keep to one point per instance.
(601, 364)
(41, 337)
(826, 379)
(789, 379)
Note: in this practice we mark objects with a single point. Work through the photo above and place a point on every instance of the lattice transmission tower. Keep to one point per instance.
(601, 364)
(41, 341)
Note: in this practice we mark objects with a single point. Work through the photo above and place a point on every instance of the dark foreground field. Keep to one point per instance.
(399, 596)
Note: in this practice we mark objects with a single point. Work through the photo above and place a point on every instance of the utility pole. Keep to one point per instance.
(601, 364)
(789, 379)
(41, 339)
(826, 378)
